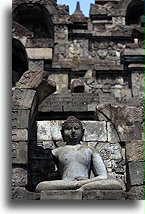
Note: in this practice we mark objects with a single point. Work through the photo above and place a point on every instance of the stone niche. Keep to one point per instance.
(98, 134)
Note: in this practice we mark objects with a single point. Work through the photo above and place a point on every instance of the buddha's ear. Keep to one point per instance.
(62, 133)
(83, 131)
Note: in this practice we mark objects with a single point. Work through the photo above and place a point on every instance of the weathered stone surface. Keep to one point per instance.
(135, 173)
(19, 153)
(134, 150)
(118, 20)
(137, 83)
(46, 144)
(20, 193)
(103, 195)
(36, 65)
(136, 193)
(45, 88)
(19, 177)
(61, 195)
(19, 135)
(95, 131)
(77, 86)
(129, 131)
(103, 112)
(61, 81)
(39, 43)
(39, 53)
(31, 79)
(112, 133)
(61, 34)
(126, 113)
(50, 130)
(20, 119)
(109, 151)
(55, 129)
(43, 131)
(23, 98)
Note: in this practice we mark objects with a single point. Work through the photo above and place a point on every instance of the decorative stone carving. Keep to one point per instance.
(77, 48)
(118, 20)
(61, 34)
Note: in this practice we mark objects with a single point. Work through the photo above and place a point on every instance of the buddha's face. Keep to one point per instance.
(72, 133)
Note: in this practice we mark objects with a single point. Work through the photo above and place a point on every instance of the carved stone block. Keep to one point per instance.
(136, 193)
(61, 195)
(134, 150)
(19, 153)
(19, 177)
(20, 119)
(112, 133)
(95, 131)
(129, 131)
(103, 195)
(136, 173)
(118, 20)
(39, 53)
(20, 193)
(43, 131)
(36, 65)
(19, 95)
(19, 135)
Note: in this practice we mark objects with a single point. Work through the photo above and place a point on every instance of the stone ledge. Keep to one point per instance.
(83, 195)
(61, 195)
(104, 195)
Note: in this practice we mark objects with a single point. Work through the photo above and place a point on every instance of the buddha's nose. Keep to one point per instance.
(73, 130)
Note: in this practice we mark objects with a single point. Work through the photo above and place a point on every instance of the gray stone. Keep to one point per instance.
(136, 193)
(20, 193)
(20, 95)
(112, 133)
(61, 195)
(103, 195)
(20, 119)
(55, 128)
(137, 83)
(103, 112)
(126, 113)
(95, 131)
(19, 135)
(111, 151)
(136, 173)
(36, 65)
(19, 177)
(43, 131)
(19, 153)
(39, 53)
(134, 150)
(129, 132)
(46, 144)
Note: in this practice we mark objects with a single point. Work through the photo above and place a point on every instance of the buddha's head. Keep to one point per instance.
(72, 130)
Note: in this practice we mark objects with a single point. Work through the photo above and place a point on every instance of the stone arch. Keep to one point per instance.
(134, 12)
(122, 7)
(36, 17)
(30, 91)
(19, 61)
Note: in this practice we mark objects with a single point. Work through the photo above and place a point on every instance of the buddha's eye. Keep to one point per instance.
(76, 127)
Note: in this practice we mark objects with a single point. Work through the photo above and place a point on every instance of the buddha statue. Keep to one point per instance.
(75, 161)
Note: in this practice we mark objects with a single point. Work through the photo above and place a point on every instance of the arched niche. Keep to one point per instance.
(19, 61)
(134, 12)
(36, 18)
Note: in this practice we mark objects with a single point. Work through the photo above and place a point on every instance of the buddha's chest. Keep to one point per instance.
(74, 156)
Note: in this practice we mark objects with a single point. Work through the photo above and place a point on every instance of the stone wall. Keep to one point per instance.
(96, 63)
